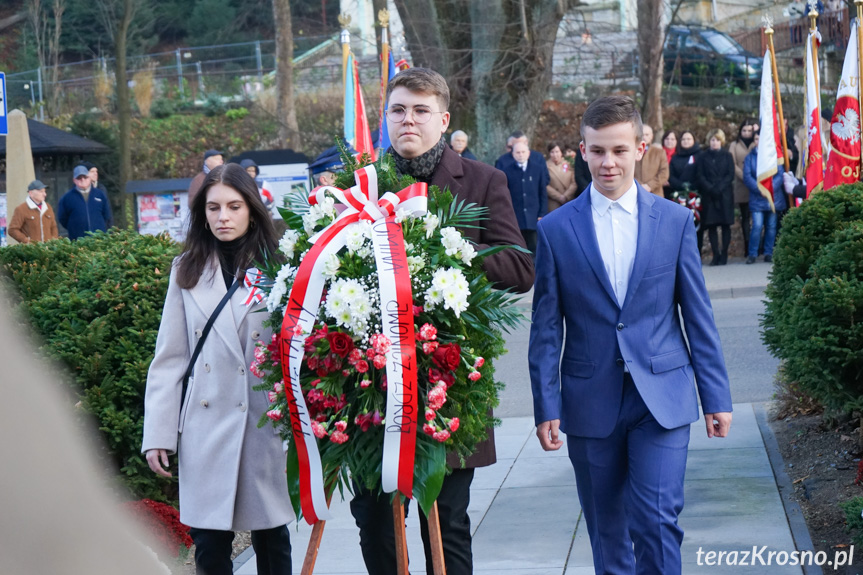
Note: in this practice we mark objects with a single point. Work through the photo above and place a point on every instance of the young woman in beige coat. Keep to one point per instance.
(561, 184)
(232, 473)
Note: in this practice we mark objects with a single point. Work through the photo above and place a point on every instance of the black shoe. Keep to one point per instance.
(714, 261)
(723, 259)
(750, 260)
(768, 258)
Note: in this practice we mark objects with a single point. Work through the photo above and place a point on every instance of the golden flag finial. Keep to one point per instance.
(384, 18)
(345, 20)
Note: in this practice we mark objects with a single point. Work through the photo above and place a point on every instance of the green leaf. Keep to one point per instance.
(292, 468)
(429, 473)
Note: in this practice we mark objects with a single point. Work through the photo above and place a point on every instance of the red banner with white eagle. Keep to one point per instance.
(843, 160)
(814, 149)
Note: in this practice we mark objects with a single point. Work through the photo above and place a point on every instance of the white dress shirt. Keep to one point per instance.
(616, 225)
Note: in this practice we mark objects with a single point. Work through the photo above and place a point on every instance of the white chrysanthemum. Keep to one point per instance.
(430, 223)
(451, 240)
(331, 266)
(281, 285)
(467, 253)
(328, 207)
(450, 288)
(288, 243)
(402, 214)
(409, 247)
(365, 251)
(415, 264)
(354, 238)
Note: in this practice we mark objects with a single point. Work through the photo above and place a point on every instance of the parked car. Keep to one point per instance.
(708, 58)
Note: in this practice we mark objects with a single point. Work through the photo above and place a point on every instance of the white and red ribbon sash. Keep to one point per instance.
(252, 281)
(358, 202)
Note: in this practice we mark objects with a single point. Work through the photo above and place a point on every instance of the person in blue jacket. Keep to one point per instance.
(84, 209)
(759, 207)
(527, 179)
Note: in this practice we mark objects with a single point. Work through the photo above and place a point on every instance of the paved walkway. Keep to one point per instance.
(525, 514)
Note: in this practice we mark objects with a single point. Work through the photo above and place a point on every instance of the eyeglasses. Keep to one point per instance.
(420, 114)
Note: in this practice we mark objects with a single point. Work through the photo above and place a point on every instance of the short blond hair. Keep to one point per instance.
(716, 133)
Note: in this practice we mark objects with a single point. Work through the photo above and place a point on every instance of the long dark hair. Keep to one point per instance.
(259, 241)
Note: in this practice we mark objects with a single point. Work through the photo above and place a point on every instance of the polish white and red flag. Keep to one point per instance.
(814, 149)
(843, 161)
(769, 142)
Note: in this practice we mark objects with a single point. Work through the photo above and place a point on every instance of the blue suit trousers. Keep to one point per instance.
(630, 485)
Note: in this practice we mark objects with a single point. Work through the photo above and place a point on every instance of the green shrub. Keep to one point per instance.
(853, 520)
(97, 304)
(814, 312)
(163, 108)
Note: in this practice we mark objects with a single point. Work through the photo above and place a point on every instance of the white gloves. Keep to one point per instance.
(789, 181)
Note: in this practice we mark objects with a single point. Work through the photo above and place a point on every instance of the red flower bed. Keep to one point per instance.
(162, 521)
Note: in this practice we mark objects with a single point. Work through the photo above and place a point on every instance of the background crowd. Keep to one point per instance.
(716, 179)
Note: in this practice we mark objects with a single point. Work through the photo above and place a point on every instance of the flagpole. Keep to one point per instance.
(859, 5)
(769, 33)
(345, 21)
(384, 19)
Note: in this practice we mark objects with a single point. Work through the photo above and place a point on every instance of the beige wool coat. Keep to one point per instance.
(561, 184)
(231, 473)
(739, 151)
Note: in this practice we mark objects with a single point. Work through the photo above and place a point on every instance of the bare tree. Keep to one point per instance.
(117, 17)
(47, 29)
(650, 40)
(285, 110)
(496, 56)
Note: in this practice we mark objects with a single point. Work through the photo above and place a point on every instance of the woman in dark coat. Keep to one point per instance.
(681, 169)
(714, 174)
(681, 173)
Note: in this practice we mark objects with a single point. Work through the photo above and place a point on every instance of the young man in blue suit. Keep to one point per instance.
(616, 268)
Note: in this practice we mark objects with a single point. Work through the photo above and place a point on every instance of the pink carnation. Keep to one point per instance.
(272, 396)
(275, 414)
(362, 366)
(319, 430)
(338, 437)
(430, 413)
(376, 418)
(429, 429)
(354, 356)
(428, 332)
(365, 383)
(380, 361)
(429, 347)
(298, 329)
(312, 362)
(479, 363)
(341, 425)
(453, 424)
(260, 354)
(441, 435)
(279, 387)
(437, 397)
(474, 376)
(380, 343)
(256, 370)
(418, 309)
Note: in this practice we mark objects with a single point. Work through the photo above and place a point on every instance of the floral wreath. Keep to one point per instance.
(359, 391)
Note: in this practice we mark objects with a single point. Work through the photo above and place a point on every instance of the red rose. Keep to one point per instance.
(447, 356)
(340, 343)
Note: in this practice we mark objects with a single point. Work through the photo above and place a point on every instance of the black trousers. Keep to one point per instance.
(530, 240)
(720, 253)
(374, 517)
(213, 551)
(744, 225)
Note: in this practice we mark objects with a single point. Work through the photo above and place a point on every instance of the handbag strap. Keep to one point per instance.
(204, 333)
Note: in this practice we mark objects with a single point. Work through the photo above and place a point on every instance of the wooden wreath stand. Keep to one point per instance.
(401, 541)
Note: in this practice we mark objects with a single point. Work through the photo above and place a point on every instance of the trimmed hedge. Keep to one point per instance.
(814, 314)
(97, 304)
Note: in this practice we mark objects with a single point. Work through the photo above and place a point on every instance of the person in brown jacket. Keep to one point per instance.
(34, 221)
(739, 149)
(561, 183)
(652, 170)
(417, 117)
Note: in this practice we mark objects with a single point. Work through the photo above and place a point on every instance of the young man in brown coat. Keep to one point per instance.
(652, 170)
(34, 221)
(417, 118)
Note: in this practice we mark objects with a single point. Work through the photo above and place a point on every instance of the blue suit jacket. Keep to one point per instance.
(573, 295)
